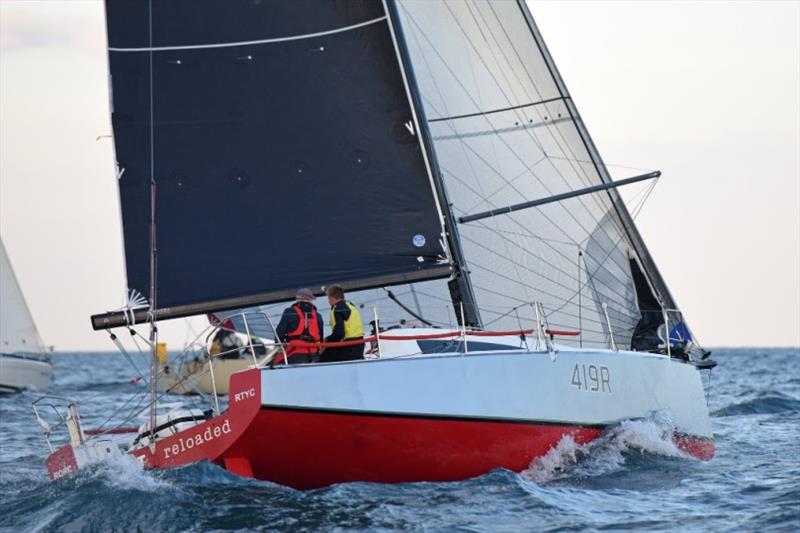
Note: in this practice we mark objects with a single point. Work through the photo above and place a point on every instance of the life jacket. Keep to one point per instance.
(353, 327)
(307, 330)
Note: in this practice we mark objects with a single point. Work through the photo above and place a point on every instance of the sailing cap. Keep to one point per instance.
(304, 295)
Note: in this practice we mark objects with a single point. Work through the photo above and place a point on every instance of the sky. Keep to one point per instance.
(706, 92)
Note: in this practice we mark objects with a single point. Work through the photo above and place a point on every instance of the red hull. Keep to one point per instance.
(703, 449)
(310, 449)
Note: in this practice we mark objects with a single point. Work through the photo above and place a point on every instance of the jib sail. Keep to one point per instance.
(506, 131)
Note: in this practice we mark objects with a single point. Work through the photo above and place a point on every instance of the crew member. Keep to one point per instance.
(300, 322)
(226, 345)
(346, 325)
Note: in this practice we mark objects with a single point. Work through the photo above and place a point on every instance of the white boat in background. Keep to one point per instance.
(206, 370)
(24, 359)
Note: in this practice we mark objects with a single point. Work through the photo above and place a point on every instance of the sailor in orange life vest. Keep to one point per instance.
(346, 324)
(300, 322)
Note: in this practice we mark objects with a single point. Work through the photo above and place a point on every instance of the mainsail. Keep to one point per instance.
(284, 145)
(18, 333)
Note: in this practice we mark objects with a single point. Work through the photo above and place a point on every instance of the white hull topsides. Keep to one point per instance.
(19, 372)
(574, 387)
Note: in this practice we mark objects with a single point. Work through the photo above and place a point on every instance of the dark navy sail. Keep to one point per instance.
(284, 148)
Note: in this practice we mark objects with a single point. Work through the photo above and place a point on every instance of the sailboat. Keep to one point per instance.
(427, 157)
(24, 359)
(204, 366)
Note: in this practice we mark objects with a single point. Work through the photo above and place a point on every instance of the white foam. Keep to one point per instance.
(558, 459)
(605, 454)
(127, 473)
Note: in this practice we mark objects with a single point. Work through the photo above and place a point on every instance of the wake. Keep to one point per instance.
(127, 473)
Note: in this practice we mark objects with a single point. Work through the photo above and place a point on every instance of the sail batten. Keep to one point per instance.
(247, 43)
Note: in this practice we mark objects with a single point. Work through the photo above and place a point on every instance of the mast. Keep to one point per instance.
(152, 318)
(627, 222)
(460, 286)
(153, 248)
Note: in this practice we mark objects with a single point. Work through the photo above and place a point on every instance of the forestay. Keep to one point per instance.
(284, 147)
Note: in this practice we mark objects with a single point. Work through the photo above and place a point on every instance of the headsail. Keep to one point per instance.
(18, 333)
(284, 146)
(506, 131)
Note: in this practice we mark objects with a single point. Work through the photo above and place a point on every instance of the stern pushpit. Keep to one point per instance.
(59, 419)
(79, 451)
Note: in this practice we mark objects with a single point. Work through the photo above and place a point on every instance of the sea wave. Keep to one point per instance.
(125, 472)
(766, 402)
(631, 477)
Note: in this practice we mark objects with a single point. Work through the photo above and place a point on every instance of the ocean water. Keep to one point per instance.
(631, 478)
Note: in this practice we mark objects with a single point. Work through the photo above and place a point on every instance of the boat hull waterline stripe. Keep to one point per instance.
(247, 43)
(434, 416)
(457, 418)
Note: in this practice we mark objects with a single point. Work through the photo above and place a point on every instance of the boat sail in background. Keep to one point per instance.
(24, 359)
(426, 156)
(233, 342)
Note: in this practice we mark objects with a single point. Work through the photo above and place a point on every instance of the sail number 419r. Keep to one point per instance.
(591, 378)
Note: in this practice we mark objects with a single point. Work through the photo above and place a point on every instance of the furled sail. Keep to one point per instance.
(18, 333)
(506, 131)
(284, 145)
